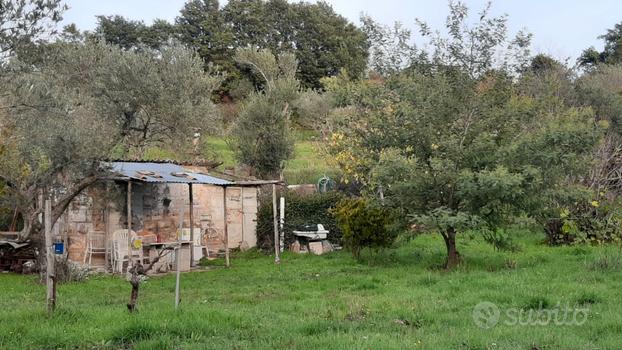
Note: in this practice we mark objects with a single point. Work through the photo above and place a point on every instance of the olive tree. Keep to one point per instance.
(452, 145)
(23, 22)
(261, 136)
(88, 102)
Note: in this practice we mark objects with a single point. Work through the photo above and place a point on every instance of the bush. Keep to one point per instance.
(69, 271)
(364, 225)
(300, 209)
(589, 221)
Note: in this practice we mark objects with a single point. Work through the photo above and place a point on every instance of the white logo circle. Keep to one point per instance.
(486, 315)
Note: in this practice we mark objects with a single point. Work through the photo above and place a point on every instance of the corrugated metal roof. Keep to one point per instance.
(162, 173)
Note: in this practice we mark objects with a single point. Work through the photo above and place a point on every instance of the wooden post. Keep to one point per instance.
(226, 229)
(191, 226)
(177, 258)
(50, 279)
(129, 226)
(281, 224)
(277, 239)
(107, 235)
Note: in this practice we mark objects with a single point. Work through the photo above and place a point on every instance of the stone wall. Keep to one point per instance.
(157, 208)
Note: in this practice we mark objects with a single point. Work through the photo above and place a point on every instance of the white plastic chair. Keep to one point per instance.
(95, 244)
(120, 249)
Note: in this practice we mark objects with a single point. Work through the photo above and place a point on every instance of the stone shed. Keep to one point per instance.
(160, 194)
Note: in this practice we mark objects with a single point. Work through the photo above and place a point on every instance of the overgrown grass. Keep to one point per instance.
(307, 165)
(403, 300)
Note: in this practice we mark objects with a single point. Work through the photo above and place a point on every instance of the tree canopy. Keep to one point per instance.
(88, 102)
(454, 144)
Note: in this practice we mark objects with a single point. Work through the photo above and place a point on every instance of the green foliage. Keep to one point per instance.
(500, 239)
(261, 136)
(587, 220)
(456, 143)
(612, 53)
(90, 101)
(129, 34)
(27, 22)
(300, 210)
(364, 225)
(324, 42)
(600, 88)
(201, 26)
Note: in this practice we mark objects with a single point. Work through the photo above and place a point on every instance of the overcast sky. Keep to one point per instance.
(562, 28)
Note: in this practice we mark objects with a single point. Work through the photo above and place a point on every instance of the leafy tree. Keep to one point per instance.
(455, 154)
(390, 49)
(23, 22)
(130, 34)
(600, 89)
(262, 136)
(324, 42)
(542, 64)
(611, 54)
(201, 25)
(453, 145)
(89, 102)
(475, 49)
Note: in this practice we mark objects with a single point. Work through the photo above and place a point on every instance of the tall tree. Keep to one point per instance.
(475, 48)
(128, 100)
(130, 34)
(612, 52)
(262, 136)
(390, 48)
(23, 22)
(451, 144)
(324, 42)
(201, 25)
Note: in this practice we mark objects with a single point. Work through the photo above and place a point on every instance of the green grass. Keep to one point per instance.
(307, 166)
(403, 300)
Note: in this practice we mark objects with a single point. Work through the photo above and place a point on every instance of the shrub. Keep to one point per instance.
(69, 271)
(300, 209)
(364, 225)
(500, 240)
(588, 221)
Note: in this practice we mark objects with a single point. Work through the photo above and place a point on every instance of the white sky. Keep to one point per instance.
(562, 28)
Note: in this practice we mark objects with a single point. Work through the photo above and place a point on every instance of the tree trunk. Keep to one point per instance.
(137, 272)
(135, 282)
(453, 257)
(135, 279)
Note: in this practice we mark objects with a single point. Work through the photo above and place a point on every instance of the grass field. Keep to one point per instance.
(400, 301)
(307, 165)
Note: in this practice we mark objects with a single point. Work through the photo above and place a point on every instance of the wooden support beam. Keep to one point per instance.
(277, 239)
(178, 258)
(191, 225)
(226, 229)
(107, 236)
(281, 224)
(50, 273)
(129, 225)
